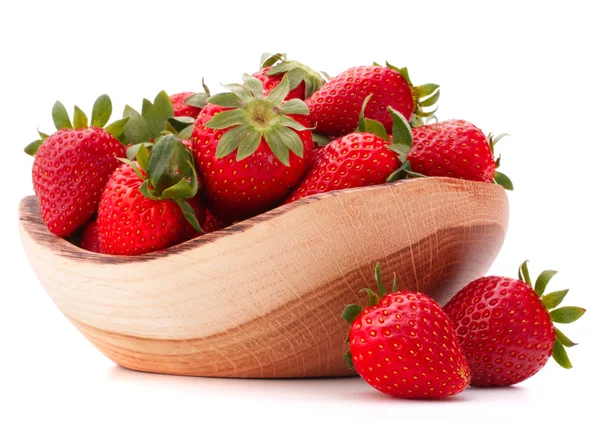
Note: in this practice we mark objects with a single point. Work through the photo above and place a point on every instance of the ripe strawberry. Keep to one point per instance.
(335, 107)
(505, 327)
(403, 345)
(212, 222)
(251, 150)
(180, 108)
(148, 204)
(303, 80)
(455, 148)
(355, 160)
(72, 165)
(89, 238)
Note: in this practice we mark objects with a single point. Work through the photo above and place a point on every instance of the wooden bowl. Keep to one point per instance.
(263, 298)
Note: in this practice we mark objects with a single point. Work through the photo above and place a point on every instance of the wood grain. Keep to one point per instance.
(263, 298)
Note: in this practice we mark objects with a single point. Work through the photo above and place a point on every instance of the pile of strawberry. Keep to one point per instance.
(192, 163)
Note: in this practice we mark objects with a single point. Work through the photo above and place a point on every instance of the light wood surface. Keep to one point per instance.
(263, 298)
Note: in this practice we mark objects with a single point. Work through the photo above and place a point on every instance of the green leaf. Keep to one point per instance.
(503, 180)
(163, 106)
(43, 136)
(401, 131)
(136, 130)
(376, 128)
(161, 154)
(399, 174)
(495, 139)
(205, 87)
(380, 286)
(117, 127)
(189, 214)
(524, 273)
(248, 145)
(231, 140)
(268, 59)
(242, 92)
(60, 116)
(550, 301)
(294, 107)
(147, 192)
(567, 314)
(101, 111)
(361, 117)
(279, 93)
(559, 354)
(401, 150)
(373, 298)
(295, 76)
(227, 119)
(80, 120)
(180, 123)
(142, 156)
(181, 190)
(542, 281)
(32, 148)
(351, 312)
(428, 102)
(320, 139)
(197, 100)
(425, 90)
(281, 140)
(254, 84)
(186, 133)
(228, 100)
(563, 339)
(286, 121)
(348, 360)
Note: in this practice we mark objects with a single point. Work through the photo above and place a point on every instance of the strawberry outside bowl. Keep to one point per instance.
(263, 298)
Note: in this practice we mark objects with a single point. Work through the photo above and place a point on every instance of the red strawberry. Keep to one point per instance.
(212, 222)
(180, 108)
(335, 107)
(505, 329)
(356, 160)
(455, 148)
(304, 81)
(251, 150)
(403, 345)
(72, 165)
(89, 238)
(148, 205)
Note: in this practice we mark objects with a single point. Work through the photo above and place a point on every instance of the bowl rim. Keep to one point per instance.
(32, 223)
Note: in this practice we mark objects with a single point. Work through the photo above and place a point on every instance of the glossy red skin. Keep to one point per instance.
(355, 160)
(70, 171)
(271, 81)
(212, 223)
(130, 223)
(454, 148)
(89, 238)
(335, 107)
(405, 347)
(238, 190)
(180, 108)
(505, 332)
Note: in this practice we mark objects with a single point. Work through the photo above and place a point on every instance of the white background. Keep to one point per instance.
(529, 69)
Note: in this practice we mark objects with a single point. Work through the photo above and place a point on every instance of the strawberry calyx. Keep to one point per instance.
(425, 96)
(101, 113)
(560, 315)
(168, 173)
(255, 117)
(183, 126)
(499, 177)
(352, 311)
(297, 72)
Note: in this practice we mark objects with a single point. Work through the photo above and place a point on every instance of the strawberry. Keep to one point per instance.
(212, 222)
(457, 149)
(189, 104)
(335, 107)
(189, 231)
(89, 237)
(505, 327)
(72, 165)
(251, 150)
(303, 80)
(403, 345)
(148, 204)
(355, 160)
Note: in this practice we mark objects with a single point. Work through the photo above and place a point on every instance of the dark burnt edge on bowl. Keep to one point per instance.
(29, 213)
